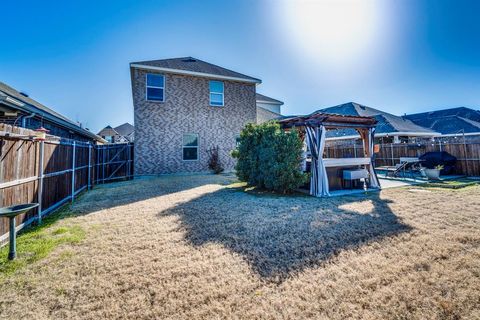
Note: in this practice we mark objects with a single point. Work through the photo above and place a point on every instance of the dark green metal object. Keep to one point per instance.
(11, 213)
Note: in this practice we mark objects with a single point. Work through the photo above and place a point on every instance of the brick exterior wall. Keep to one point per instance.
(264, 115)
(160, 126)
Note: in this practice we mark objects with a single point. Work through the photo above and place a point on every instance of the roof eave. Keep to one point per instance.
(194, 73)
(270, 102)
(391, 134)
(460, 134)
(32, 109)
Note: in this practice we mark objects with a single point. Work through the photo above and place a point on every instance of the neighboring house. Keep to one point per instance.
(127, 131)
(183, 108)
(121, 134)
(390, 128)
(19, 109)
(453, 122)
(268, 108)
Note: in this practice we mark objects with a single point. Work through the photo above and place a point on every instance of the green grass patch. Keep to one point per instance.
(36, 242)
(450, 184)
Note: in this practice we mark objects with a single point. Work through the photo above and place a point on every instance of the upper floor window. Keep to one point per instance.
(216, 93)
(155, 87)
(190, 146)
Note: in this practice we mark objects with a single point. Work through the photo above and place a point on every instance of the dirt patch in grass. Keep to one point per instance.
(198, 247)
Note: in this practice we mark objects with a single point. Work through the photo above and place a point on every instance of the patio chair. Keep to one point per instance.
(396, 170)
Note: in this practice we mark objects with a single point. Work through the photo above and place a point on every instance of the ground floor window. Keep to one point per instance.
(190, 146)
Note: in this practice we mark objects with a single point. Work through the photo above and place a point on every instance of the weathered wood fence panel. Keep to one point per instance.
(53, 172)
(113, 162)
(467, 154)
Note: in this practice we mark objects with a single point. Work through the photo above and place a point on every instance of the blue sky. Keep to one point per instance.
(400, 56)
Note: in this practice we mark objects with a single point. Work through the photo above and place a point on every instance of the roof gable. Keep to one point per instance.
(193, 66)
(108, 131)
(125, 129)
(387, 122)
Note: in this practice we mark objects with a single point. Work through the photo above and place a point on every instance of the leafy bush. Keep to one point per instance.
(214, 163)
(270, 158)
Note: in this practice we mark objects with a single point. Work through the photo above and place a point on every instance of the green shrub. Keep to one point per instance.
(269, 158)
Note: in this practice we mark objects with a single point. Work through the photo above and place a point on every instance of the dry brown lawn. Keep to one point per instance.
(198, 247)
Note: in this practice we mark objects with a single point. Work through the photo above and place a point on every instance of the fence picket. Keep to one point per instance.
(50, 172)
(467, 154)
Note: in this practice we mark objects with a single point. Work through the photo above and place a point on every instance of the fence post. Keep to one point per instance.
(73, 171)
(97, 170)
(391, 148)
(354, 149)
(89, 166)
(40, 181)
(128, 161)
(465, 154)
(103, 164)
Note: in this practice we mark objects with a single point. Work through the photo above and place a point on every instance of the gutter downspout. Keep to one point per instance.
(27, 117)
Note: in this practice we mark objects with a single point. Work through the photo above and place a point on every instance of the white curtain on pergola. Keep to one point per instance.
(319, 179)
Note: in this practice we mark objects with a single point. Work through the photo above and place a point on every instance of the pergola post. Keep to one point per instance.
(315, 126)
(368, 135)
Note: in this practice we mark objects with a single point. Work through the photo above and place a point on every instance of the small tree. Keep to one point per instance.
(214, 163)
(269, 157)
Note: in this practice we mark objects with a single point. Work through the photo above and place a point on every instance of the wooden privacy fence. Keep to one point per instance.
(53, 172)
(113, 162)
(467, 154)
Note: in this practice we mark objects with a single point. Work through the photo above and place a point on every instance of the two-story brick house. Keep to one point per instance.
(183, 107)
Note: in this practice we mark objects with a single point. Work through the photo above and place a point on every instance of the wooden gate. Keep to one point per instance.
(113, 162)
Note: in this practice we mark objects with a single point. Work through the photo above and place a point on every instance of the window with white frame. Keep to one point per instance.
(190, 146)
(155, 87)
(216, 93)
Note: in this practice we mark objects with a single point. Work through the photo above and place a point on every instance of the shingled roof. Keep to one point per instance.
(30, 105)
(448, 121)
(193, 66)
(17, 95)
(387, 123)
(108, 131)
(265, 99)
(125, 129)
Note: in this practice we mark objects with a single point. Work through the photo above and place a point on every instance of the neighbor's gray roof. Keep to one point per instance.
(449, 121)
(125, 129)
(36, 107)
(387, 122)
(17, 95)
(108, 131)
(194, 65)
(261, 97)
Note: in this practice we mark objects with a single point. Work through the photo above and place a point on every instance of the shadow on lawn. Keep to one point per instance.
(280, 235)
(111, 195)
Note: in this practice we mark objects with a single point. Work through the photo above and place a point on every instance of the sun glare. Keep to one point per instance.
(335, 33)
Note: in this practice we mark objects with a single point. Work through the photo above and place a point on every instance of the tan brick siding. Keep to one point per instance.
(159, 126)
(264, 115)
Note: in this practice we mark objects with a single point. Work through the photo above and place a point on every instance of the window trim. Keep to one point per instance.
(147, 86)
(197, 146)
(214, 92)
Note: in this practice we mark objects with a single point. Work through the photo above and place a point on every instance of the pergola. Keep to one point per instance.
(314, 127)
